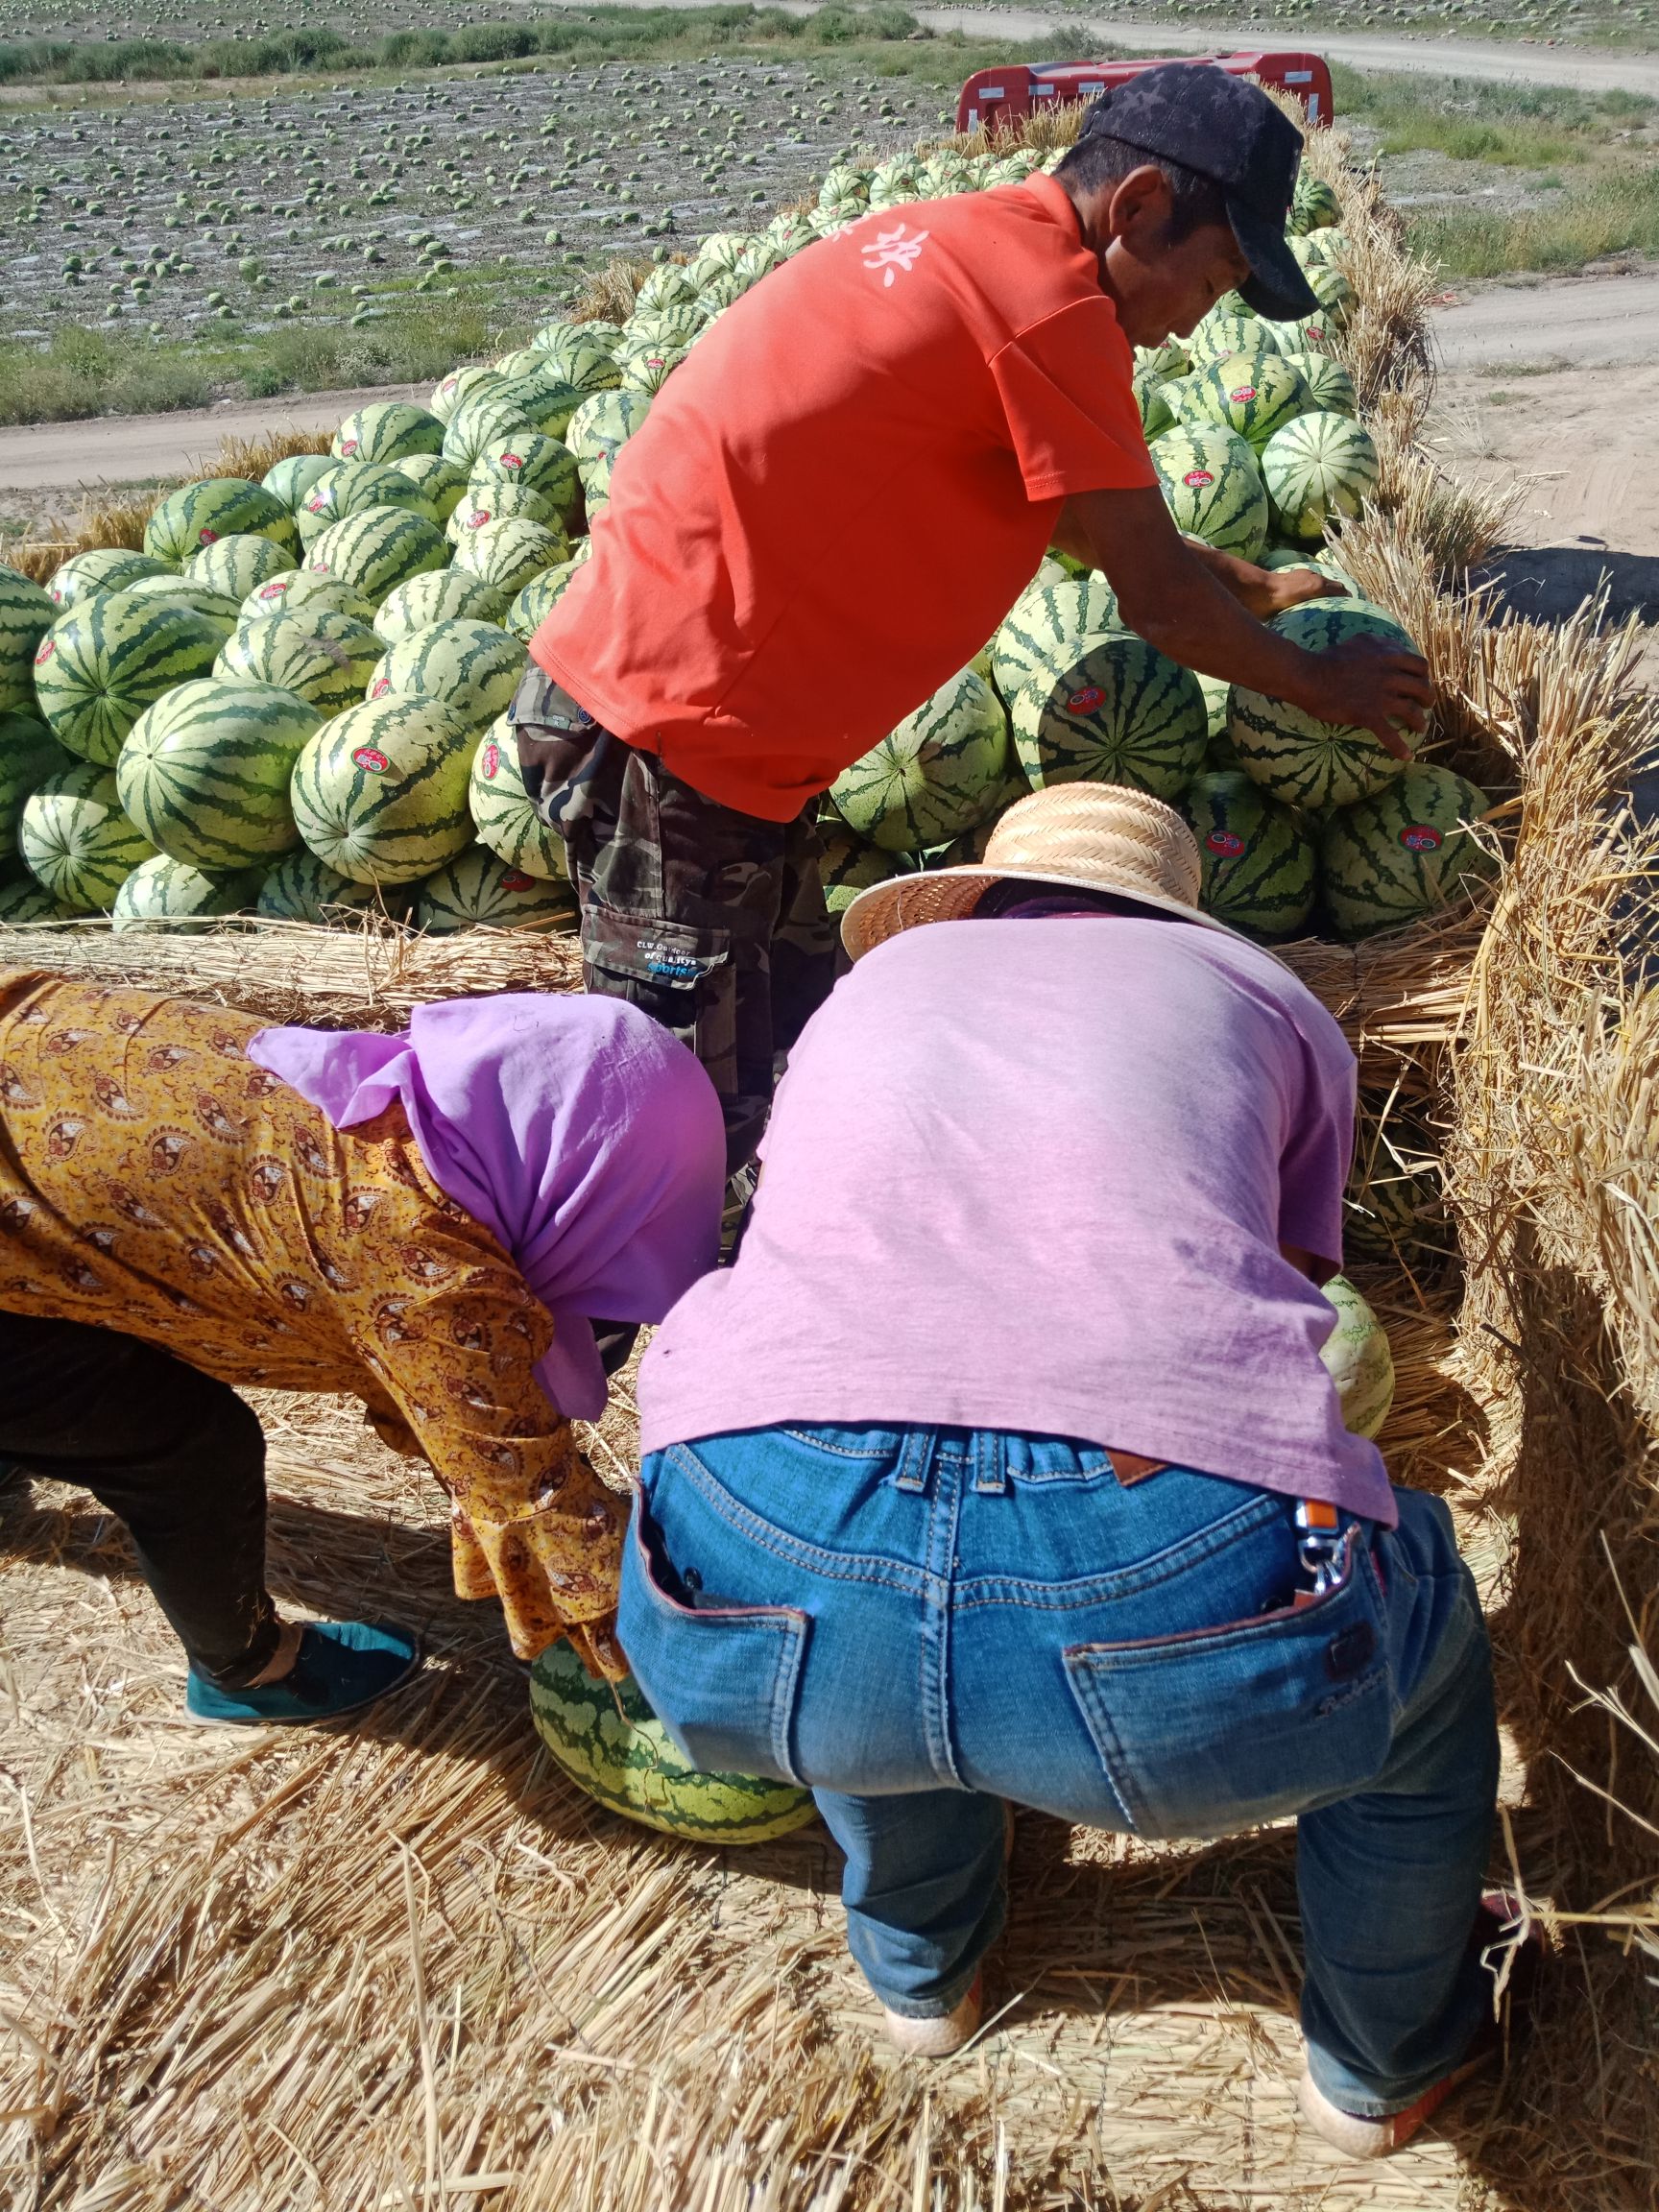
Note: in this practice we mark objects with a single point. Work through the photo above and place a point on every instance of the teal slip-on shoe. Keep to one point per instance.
(341, 1667)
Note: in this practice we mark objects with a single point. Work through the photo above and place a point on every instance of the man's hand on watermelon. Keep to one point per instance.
(1264, 591)
(1169, 593)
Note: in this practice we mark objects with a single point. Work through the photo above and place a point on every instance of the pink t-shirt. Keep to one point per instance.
(1033, 1175)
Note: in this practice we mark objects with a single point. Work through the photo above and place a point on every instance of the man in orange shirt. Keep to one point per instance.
(833, 502)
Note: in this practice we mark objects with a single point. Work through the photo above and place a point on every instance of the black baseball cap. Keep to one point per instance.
(1226, 129)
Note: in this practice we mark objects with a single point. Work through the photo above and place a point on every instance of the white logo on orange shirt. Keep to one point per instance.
(893, 251)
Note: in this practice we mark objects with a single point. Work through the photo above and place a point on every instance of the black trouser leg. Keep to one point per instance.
(174, 1454)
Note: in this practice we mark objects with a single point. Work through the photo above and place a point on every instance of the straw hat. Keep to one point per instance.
(1076, 836)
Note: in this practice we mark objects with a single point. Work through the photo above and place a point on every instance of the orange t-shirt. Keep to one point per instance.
(842, 490)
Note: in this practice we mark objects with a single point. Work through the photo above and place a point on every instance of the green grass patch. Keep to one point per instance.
(1510, 126)
(1617, 213)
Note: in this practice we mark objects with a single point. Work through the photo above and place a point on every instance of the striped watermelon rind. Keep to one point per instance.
(236, 565)
(381, 792)
(533, 604)
(606, 1739)
(104, 568)
(497, 502)
(474, 667)
(438, 481)
(24, 899)
(298, 589)
(26, 615)
(29, 753)
(289, 479)
(1318, 468)
(164, 892)
(849, 866)
(76, 841)
(387, 430)
(1045, 625)
(604, 422)
(435, 595)
(1253, 396)
(1404, 852)
(1258, 862)
(1117, 711)
(216, 507)
(355, 487)
(204, 772)
(1213, 488)
(1329, 385)
(1297, 757)
(935, 776)
(510, 552)
(326, 659)
(301, 888)
(103, 662)
(479, 890)
(176, 590)
(539, 463)
(1357, 1360)
(502, 816)
(374, 552)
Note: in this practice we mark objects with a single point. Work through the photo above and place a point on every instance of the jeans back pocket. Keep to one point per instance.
(1220, 1729)
(721, 1679)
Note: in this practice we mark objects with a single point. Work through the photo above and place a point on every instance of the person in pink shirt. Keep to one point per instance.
(1003, 1467)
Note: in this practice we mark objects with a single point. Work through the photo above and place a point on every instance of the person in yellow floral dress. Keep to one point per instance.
(435, 1222)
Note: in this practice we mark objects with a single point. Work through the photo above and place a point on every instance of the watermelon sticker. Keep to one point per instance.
(380, 687)
(1225, 844)
(1243, 395)
(319, 567)
(490, 763)
(47, 648)
(347, 447)
(317, 502)
(1194, 477)
(207, 537)
(371, 759)
(516, 879)
(1085, 702)
(276, 589)
(510, 460)
(478, 518)
(1420, 839)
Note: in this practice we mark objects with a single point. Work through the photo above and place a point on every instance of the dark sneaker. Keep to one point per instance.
(341, 1667)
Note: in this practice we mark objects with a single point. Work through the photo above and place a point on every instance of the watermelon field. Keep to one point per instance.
(251, 749)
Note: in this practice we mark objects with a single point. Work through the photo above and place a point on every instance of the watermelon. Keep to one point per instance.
(300, 889)
(105, 568)
(1043, 627)
(1114, 710)
(1213, 488)
(472, 666)
(204, 772)
(163, 890)
(579, 353)
(1315, 203)
(435, 595)
(603, 423)
(1223, 331)
(496, 503)
(387, 430)
(849, 866)
(1333, 291)
(1295, 755)
(667, 286)
(476, 889)
(231, 567)
(537, 599)
(1395, 1204)
(374, 552)
(23, 899)
(1254, 397)
(440, 483)
(1329, 386)
(1156, 403)
(290, 479)
(502, 815)
(480, 420)
(933, 777)
(1401, 854)
(1357, 1360)
(1258, 864)
(101, 664)
(542, 464)
(353, 488)
(74, 840)
(301, 587)
(216, 507)
(381, 792)
(176, 590)
(648, 369)
(324, 659)
(544, 399)
(508, 553)
(1171, 359)
(606, 1738)
(460, 384)
(26, 615)
(29, 753)
(1319, 465)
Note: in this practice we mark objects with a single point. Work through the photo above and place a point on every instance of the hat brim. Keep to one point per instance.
(952, 894)
(1276, 286)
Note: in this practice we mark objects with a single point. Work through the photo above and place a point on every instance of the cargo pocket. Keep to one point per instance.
(679, 974)
(723, 1679)
(1218, 1729)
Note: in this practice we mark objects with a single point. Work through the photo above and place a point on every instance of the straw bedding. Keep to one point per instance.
(407, 1966)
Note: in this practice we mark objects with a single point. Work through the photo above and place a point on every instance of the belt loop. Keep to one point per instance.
(989, 1462)
(914, 1459)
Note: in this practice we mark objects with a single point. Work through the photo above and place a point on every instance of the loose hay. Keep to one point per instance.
(406, 1965)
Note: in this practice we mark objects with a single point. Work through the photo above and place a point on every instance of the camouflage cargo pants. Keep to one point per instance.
(711, 921)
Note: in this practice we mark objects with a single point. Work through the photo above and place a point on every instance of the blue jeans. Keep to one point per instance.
(916, 1624)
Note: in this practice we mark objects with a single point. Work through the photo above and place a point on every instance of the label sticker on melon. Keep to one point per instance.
(347, 447)
(207, 537)
(509, 460)
(1194, 477)
(516, 879)
(490, 763)
(379, 690)
(276, 589)
(478, 518)
(1085, 702)
(1243, 395)
(371, 759)
(1420, 839)
(48, 646)
(317, 502)
(319, 567)
(1227, 843)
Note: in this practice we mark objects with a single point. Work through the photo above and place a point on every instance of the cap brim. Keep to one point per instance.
(1276, 286)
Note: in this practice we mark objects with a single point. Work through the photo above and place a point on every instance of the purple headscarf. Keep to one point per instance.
(587, 1140)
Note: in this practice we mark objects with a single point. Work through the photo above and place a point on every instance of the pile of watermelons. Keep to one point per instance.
(289, 702)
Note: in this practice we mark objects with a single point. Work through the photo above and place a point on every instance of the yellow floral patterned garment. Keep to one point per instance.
(154, 1180)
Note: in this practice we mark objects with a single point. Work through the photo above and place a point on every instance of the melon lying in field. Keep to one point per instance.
(108, 659)
(1295, 755)
(381, 792)
(1318, 468)
(478, 889)
(388, 430)
(611, 1745)
(1258, 862)
(1213, 488)
(1356, 1357)
(935, 776)
(1119, 712)
(216, 507)
(502, 815)
(204, 772)
(1403, 853)
(169, 893)
(76, 841)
